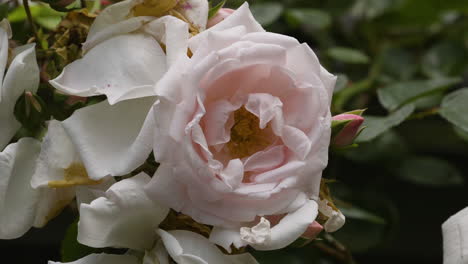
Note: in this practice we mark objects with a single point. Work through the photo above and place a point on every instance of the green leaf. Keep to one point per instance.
(426, 12)
(461, 133)
(444, 59)
(378, 150)
(212, 12)
(41, 13)
(372, 8)
(308, 17)
(49, 22)
(361, 214)
(3, 11)
(400, 93)
(377, 125)
(360, 236)
(348, 55)
(267, 13)
(398, 64)
(71, 250)
(429, 171)
(454, 108)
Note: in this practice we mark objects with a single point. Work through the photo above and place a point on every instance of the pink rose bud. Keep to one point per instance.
(313, 230)
(348, 133)
(220, 16)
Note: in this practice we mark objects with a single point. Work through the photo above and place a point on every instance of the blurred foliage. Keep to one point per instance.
(405, 61)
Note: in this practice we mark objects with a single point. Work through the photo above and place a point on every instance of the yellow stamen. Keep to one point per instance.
(246, 136)
(74, 175)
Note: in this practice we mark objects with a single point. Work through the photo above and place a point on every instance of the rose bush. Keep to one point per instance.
(242, 134)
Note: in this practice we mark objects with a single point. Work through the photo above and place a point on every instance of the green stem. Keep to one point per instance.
(343, 96)
(30, 19)
(423, 114)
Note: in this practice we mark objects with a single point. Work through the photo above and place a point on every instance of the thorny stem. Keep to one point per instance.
(30, 19)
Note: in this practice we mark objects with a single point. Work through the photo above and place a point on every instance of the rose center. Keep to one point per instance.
(74, 175)
(247, 137)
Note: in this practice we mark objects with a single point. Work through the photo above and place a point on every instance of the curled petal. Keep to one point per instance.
(188, 247)
(103, 259)
(291, 227)
(335, 220)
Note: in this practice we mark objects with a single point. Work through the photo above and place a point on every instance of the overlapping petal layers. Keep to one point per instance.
(125, 56)
(242, 132)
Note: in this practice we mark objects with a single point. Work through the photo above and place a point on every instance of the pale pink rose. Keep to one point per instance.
(242, 134)
(220, 16)
(348, 133)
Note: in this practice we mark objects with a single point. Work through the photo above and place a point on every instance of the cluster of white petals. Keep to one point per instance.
(238, 119)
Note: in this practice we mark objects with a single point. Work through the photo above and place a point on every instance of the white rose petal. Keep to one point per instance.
(455, 237)
(336, 219)
(124, 217)
(257, 235)
(189, 247)
(22, 75)
(18, 199)
(5, 34)
(103, 259)
(112, 140)
(124, 67)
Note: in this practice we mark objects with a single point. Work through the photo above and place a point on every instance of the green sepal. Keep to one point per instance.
(338, 125)
(358, 112)
(214, 10)
(30, 110)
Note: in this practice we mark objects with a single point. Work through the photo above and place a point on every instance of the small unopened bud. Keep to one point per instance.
(313, 230)
(30, 111)
(220, 16)
(350, 129)
(32, 101)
